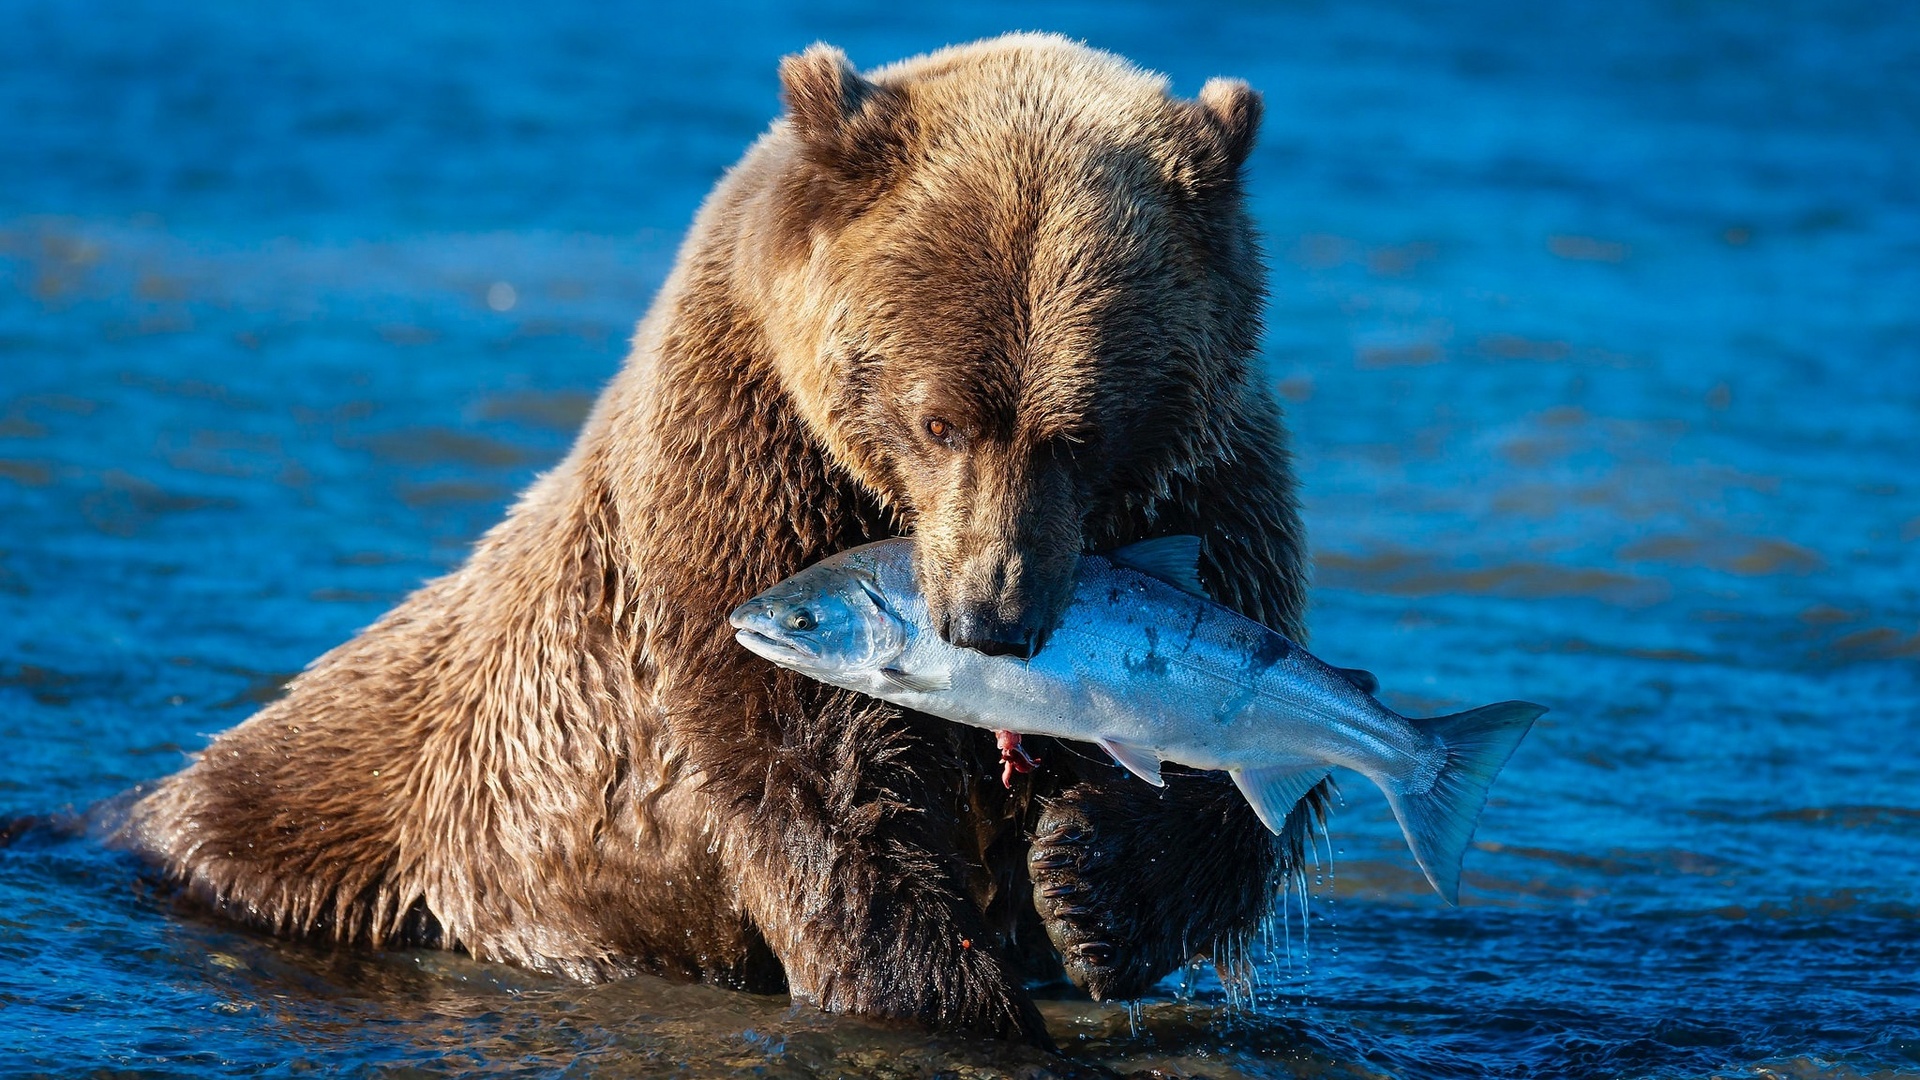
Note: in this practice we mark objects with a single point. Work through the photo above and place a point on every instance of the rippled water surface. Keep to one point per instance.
(1597, 329)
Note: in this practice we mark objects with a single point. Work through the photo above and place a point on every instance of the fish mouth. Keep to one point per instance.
(771, 648)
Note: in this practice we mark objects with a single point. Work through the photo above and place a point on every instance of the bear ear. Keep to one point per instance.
(845, 122)
(1232, 110)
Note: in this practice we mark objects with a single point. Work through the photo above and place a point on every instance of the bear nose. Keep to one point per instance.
(985, 632)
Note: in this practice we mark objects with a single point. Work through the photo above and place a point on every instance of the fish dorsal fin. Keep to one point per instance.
(1363, 680)
(1275, 791)
(1173, 559)
(919, 684)
(1140, 762)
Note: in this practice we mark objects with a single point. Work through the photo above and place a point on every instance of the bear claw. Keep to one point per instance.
(1052, 860)
(1075, 883)
(1098, 952)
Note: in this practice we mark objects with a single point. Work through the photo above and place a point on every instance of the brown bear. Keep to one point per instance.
(1003, 298)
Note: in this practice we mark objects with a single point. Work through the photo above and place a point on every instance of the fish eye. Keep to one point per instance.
(801, 619)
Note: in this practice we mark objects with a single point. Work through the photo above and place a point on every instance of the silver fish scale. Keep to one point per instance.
(1137, 661)
(1153, 674)
(1181, 665)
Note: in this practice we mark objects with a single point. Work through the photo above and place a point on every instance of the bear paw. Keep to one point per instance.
(1086, 887)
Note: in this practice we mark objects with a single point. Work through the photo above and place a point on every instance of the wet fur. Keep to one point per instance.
(557, 756)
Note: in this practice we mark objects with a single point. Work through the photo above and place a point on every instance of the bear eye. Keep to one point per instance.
(801, 619)
(940, 430)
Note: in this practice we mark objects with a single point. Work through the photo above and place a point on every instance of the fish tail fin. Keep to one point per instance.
(1439, 821)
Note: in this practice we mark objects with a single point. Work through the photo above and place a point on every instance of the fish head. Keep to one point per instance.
(830, 622)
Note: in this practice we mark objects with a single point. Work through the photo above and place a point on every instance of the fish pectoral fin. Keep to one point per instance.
(1276, 790)
(1362, 679)
(1136, 760)
(919, 684)
(1173, 559)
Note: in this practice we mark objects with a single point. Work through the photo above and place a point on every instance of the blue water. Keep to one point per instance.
(1599, 335)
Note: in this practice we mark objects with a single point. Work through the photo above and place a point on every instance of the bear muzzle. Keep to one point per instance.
(990, 634)
(1005, 605)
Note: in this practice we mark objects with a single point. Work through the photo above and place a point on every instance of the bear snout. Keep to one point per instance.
(988, 633)
(1006, 602)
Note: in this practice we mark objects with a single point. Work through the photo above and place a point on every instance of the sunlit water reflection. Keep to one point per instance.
(1596, 334)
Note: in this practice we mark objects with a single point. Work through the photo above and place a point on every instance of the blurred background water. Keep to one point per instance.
(1598, 331)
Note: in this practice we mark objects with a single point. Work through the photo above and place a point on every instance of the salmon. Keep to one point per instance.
(1144, 665)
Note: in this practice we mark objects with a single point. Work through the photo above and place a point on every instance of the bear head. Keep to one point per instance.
(1021, 298)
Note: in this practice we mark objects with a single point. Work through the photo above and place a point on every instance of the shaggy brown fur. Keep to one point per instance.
(557, 756)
